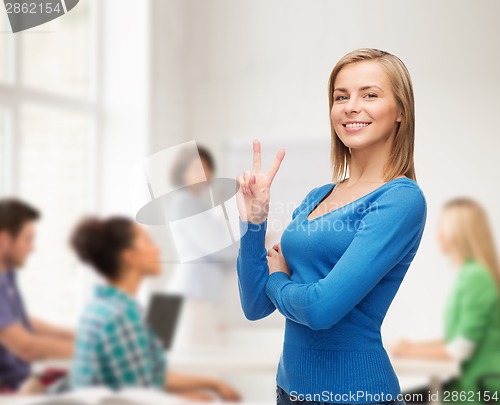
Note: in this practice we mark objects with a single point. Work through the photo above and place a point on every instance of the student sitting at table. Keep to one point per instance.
(23, 339)
(472, 314)
(114, 346)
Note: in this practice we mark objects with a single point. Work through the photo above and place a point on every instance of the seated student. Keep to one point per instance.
(114, 346)
(472, 313)
(23, 339)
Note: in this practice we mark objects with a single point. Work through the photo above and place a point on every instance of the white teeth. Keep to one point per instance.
(356, 125)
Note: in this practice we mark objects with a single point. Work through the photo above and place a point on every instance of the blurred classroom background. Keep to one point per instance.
(85, 97)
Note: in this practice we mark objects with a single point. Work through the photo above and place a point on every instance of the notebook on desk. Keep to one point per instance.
(163, 315)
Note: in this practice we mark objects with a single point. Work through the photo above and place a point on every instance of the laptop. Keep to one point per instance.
(163, 315)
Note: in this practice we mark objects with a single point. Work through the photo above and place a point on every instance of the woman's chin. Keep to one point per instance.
(357, 144)
(360, 142)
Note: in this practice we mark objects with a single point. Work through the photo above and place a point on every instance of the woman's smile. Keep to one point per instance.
(355, 126)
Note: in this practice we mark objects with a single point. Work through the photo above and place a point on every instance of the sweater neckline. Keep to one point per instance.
(330, 188)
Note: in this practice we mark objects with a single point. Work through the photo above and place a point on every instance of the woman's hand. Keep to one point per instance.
(199, 388)
(200, 396)
(401, 348)
(434, 350)
(276, 261)
(253, 196)
(226, 392)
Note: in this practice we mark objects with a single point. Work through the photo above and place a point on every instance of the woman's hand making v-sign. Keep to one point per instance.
(253, 199)
(253, 195)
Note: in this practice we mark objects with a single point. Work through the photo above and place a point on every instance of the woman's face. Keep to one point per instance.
(197, 171)
(144, 254)
(443, 242)
(363, 94)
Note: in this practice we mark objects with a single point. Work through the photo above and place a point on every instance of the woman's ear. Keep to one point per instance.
(400, 117)
(127, 257)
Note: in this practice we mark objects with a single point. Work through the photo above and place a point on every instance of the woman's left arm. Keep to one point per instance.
(390, 229)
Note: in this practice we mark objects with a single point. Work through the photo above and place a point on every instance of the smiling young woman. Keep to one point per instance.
(348, 246)
(379, 92)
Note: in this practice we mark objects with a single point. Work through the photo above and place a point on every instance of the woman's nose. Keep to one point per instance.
(352, 105)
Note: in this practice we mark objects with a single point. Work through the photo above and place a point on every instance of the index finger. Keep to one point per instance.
(256, 156)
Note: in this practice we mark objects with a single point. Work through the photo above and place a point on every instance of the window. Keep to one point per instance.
(48, 130)
(4, 153)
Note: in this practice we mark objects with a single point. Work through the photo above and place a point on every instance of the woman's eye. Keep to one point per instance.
(341, 98)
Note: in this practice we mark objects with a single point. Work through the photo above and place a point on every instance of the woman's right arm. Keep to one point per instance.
(253, 269)
(252, 200)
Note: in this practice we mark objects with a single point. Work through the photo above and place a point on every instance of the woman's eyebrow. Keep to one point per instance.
(361, 88)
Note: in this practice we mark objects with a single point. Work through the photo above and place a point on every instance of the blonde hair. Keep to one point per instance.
(401, 159)
(466, 227)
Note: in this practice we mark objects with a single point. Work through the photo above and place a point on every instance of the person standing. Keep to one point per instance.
(348, 246)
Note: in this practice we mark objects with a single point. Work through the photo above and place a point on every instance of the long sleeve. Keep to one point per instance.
(252, 267)
(476, 304)
(389, 230)
(253, 271)
(461, 348)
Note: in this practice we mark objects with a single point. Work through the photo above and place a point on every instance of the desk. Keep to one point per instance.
(252, 359)
(258, 359)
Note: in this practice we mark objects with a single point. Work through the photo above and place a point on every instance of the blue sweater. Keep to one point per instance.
(346, 267)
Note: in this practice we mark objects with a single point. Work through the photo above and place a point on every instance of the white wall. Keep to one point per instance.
(125, 98)
(238, 69)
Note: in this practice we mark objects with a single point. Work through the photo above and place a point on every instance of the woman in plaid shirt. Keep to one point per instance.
(114, 346)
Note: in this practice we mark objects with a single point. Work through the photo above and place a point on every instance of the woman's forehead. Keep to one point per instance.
(361, 75)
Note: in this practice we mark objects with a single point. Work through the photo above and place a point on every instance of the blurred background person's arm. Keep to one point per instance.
(46, 329)
(31, 347)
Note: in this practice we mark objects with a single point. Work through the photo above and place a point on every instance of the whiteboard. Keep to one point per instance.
(306, 165)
